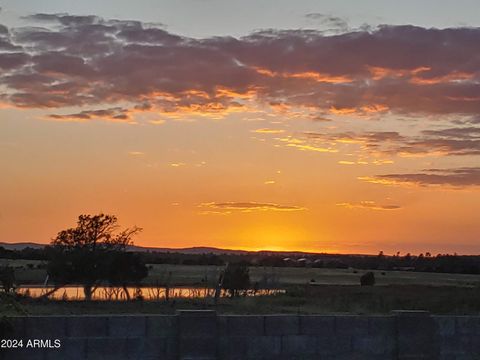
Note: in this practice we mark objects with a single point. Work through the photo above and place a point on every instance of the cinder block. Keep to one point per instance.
(416, 336)
(351, 325)
(71, 349)
(350, 356)
(87, 326)
(374, 345)
(152, 348)
(149, 349)
(135, 347)
(245, 325)
(222, 325)
(318, 325)
(474, 341)
(334, 345)
(264, 347)
(298, 357)
(17, 327)
(198, 324)
(197, 348)
(451, 346)
(296, 345)
(282, 325)
(126, 326)
(171, 347)
(445, 325)
(161, 325)
(467, 324)
(197, 334)
(384, 325)
(22, 354)
(233, 347)
(326, 344)
(106, 349)
(45, 327)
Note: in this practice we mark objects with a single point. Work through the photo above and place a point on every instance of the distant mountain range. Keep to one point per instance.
(189, 250)
(21, 245)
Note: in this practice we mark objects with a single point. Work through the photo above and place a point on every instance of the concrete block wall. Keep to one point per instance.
(96, 337)
(458, 336)
(307, 337)
(205, 335)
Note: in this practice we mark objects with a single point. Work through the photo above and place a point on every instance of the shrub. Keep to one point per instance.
(236, 278)
(367, 279)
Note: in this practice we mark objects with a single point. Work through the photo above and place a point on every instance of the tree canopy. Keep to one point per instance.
(94, 252)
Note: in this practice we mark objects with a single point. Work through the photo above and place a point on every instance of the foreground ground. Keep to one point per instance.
(303, 299)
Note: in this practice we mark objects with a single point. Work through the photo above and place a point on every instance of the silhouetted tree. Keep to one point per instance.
(235, 278)
(84, 254)
(125, 269)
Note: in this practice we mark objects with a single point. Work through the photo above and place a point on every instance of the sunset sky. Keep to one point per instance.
(326, 126)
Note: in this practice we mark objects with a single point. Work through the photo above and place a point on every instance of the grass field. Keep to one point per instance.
(194, 275)
(309, 290)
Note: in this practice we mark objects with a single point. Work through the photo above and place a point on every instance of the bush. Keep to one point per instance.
(7, 278)
(367, 279)
(236, 278)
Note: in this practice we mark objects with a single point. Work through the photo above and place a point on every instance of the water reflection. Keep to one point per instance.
(145, 293)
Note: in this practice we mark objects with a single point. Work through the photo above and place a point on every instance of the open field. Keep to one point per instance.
(198, 275)
(308, 290)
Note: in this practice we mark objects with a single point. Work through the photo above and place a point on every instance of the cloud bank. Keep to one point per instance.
(63, 61)
(445, 142)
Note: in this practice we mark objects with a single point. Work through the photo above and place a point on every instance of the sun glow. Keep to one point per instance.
(273, 237)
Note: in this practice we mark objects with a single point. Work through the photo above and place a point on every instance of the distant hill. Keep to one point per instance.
(190, 250)
(21, 245)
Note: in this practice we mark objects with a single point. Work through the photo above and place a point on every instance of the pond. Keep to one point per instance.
(152, 293)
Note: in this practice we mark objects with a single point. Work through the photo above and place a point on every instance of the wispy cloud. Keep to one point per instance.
(248, 207)
(136, 153)
(371, 205)
(304, 145)
(268, 131)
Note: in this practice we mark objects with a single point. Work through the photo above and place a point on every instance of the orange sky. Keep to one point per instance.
(279, 141)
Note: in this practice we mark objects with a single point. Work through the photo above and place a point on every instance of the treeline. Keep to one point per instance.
(26, 253)
(442, 263)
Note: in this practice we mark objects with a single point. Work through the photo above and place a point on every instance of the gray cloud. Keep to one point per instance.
(89, 61)
(112, 114)
(329, 21)
(450, 141)
(457, 178)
